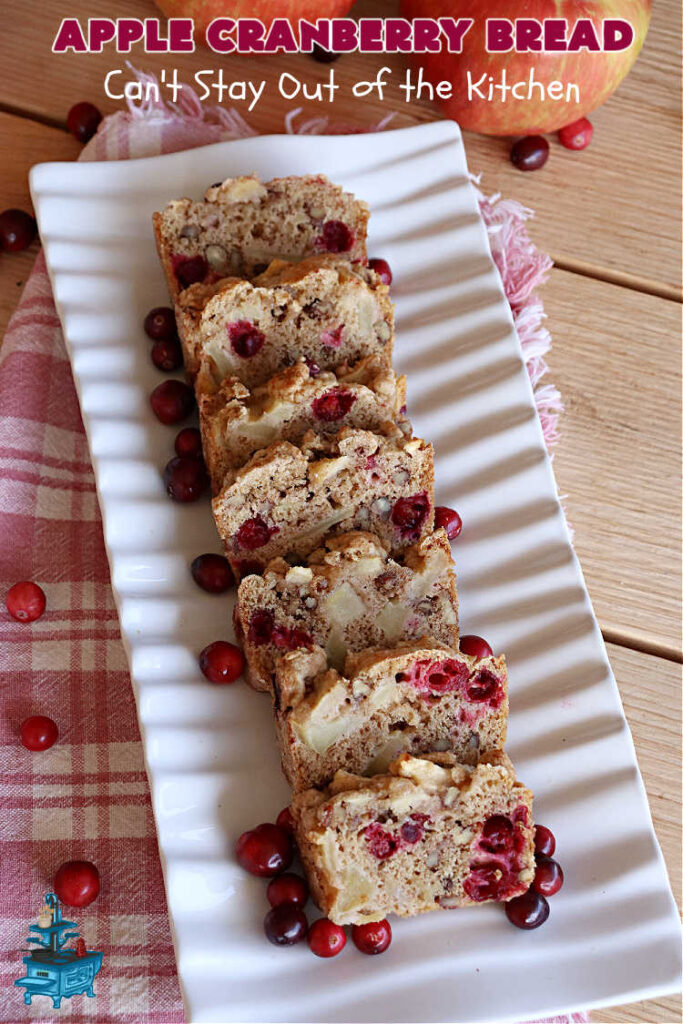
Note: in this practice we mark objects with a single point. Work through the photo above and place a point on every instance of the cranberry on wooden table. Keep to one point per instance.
(212, 573)
(382, 268)
(544, 841)
(475, 646)
(287, 888)
(530, 153)
(449, 520)
(83, 120)
(576, 135)
(221, 662)
(188, 443)
(167, 355)
(372, 938)
(77, 883)
(38, 732)
(160, 324)
(25, 601)
(265, 850)
(285, 925)
(528, 911)
(325, 938)
(172, 401)
(185, 479)
(17, 230)
(549, 877)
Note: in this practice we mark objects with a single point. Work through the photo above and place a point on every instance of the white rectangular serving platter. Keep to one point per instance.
(613, 935)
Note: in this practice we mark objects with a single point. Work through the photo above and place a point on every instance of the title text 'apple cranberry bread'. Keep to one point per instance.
(324, 309)
(414, 698)
(431, 834)
(350, 595)
(286, 499)
(236, 421)
(242, 224)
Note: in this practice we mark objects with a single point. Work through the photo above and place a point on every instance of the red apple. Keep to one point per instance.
(597, 74)
(204, 11)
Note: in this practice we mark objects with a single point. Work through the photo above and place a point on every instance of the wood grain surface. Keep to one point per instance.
(611, 218)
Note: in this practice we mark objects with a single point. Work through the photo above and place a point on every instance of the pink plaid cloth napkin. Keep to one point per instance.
(87, 797)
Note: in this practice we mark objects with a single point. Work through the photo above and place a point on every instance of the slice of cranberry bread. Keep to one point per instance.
(243, 223)
(413, 698)
(287, 498)
(323, 309)
(236, 421)
(431, 834)
(350, 595)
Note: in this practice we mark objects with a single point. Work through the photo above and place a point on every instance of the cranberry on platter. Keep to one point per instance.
(221, 662)
(372, 938)
(188, 443)
(528, 911)
(212, 573)
(287, 888)
(549, 877)
(285, 925)
(576, 135)
(83, 120)
(265, 850)
(530, 153)
(39, 732)
(17, 230)
(77, 883)
(544, 841)
(167, 355)
(25, 601)
(160, 324)
(475, 646)
(326, 939)
(172, 401)
(449, 520)
(322, 55)
(382, 268)
(285, 820)
(185, 479)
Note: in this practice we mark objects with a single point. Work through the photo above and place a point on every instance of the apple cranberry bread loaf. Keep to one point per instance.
(236, 421)
(430, 834)
(285, 499)
(350, 595)
(413, 698)
(243, 223)
(322, 309)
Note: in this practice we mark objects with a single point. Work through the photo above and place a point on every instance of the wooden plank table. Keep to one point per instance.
(611, 219)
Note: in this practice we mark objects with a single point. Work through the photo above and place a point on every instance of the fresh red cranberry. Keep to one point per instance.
(333, 404)
(160, 324)
(83, 120)
(185, 479)
(497, 834)
(188, 443)
(381, 844)
(189, 269)
(245, 338)
(530, 153)
(530, 910)
(172, 401)
(484, 686)
(265, 850)
(576, 135)
(39, 732)
(285, 821)
(254, 533)
(544, 841)
(25, 601)
(409, 514)
(167, 355)
(322, 55)
(333, 337)
(549, 877)
(336, 236)
(382, 268)
(285, 925)
(449, 520)
(212, 573)
(372, 938)
(475, 646)
(287, 888)
(77, 883)
(17, 230)
(326, 939)
(221, 662)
